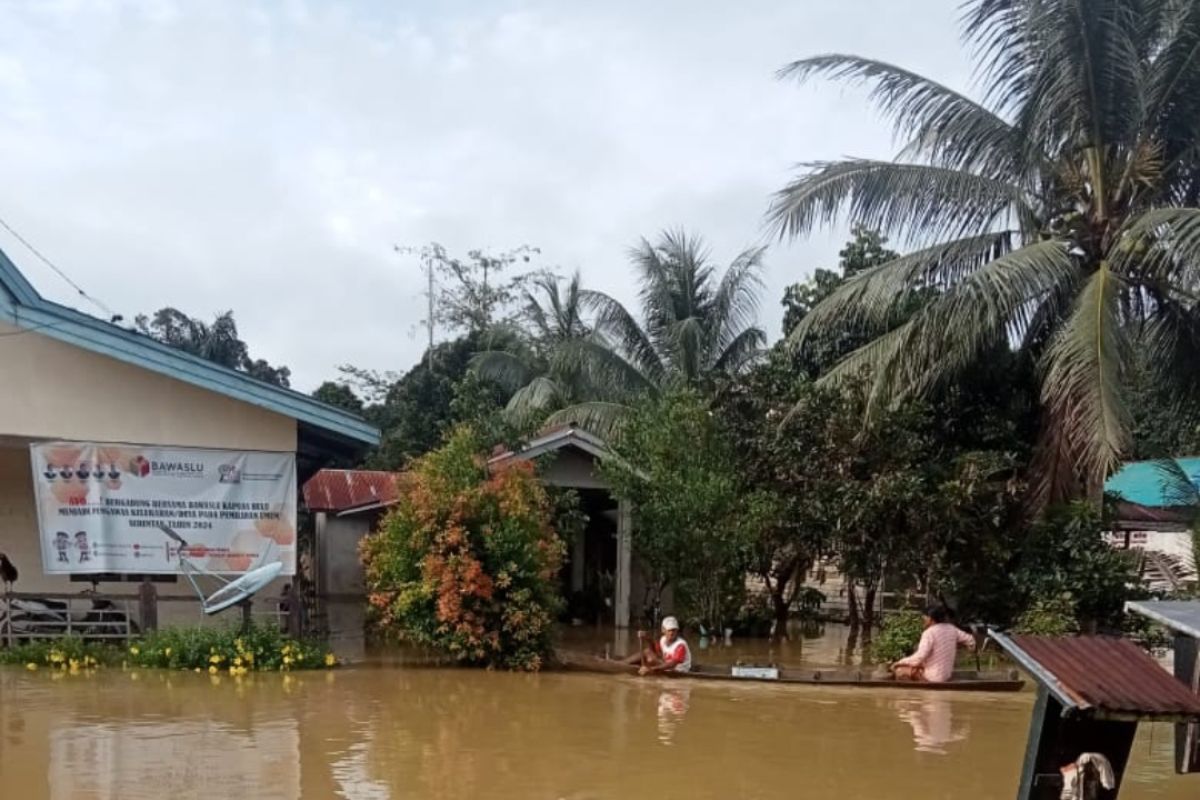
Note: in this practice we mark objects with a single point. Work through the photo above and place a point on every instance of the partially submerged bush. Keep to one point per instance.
(69, 653)
(898, 637)
(1054, 615)
(227, 649)
(211, 649)
(466, 562)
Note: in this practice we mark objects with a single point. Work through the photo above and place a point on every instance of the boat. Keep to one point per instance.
(962, 681)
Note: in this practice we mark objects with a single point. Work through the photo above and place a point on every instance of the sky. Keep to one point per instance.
(265, 157)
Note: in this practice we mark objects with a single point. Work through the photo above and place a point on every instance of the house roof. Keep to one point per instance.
(1102, 676)
(22, 306)
(1142, 483)
(1181, 616)
(552, 439)
(339, 490)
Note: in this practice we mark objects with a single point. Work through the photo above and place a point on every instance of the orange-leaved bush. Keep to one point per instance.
(466, 562)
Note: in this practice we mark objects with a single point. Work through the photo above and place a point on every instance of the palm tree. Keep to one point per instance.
(1058, 213)
(694, 327)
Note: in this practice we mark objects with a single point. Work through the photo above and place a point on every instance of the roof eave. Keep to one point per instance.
(29, 311)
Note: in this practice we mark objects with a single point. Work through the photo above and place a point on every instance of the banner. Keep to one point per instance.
(101, 508)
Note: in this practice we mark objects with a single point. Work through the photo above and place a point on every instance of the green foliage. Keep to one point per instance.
(227, 648)
(692, 526)
(208, 648)
(218, 342)
(67, 653)
(340, 396)
(1066, 560)
(863, 252)
(467, 560)
(1057, 211)
(898, 637)
(1052, 615)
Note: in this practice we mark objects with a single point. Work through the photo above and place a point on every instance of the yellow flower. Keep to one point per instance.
(214, 659)
(74, 664)
(55, 657)
(167, 652)
(249, 657)
(212, 670)
(237, 643)
(237, 661)
(197, 669)
(134, 650)
(330, 660)
(287, 659)
(299, 656)
(32, 667)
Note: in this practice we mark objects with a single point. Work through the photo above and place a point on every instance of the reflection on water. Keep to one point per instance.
(385, 730)
(931, 717)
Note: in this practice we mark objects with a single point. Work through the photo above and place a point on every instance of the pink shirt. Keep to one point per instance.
(937, 651)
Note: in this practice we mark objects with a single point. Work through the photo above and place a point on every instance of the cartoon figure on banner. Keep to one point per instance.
(62, 542)
(82, 543)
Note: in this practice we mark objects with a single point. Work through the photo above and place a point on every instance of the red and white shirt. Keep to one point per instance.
(675, 654)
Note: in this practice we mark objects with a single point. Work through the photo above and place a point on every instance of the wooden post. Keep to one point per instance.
(148, 606)
(247, 606)
(295, 613)
(1187, 735)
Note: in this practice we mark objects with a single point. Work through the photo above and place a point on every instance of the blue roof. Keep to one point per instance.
(21, 305)
(1144, 483)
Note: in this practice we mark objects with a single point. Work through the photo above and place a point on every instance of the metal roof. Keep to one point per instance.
(1143, 482)
(1103, 676)
(337, 490)
(556, 438)
(22, 306)
(1181, 616)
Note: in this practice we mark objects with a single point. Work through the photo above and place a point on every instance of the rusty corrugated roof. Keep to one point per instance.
(339, 489)
(1104, 674)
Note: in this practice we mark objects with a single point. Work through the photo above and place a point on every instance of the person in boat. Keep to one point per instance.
(933, 661)
(669, 654)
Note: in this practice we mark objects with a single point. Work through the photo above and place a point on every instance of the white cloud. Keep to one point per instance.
(266, 156)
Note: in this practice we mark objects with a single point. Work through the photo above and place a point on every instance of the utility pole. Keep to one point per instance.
(426, 258)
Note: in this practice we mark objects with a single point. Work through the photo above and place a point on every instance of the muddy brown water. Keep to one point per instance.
(392, 728)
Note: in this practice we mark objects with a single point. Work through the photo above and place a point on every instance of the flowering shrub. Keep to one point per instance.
(466, 561)
(69, 654)
(208, 649)
(227, 649)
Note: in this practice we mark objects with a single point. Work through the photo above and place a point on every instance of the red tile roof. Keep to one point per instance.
(340, 489)
(1107, 674)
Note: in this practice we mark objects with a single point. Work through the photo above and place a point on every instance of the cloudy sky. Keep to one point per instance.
(265, 156)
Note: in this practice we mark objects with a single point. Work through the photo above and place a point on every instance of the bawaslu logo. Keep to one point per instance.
(144, 467)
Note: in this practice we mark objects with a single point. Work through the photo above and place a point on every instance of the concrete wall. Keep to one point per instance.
(52, 390)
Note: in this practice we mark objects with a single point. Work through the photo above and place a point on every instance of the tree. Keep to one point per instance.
(694, 328)
(692, 524)
(340, 396)
(1058, 212)
(466, 562)
(864, 251)
(474, 296)
(217, 342)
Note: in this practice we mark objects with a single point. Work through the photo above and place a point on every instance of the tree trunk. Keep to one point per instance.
(783, 609)
(868, 618)
(853, 616)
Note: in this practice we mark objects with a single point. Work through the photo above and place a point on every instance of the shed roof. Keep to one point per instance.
(1181, 616)
(22, 306)
(555, 438)
(338, 490)
(1102, 676)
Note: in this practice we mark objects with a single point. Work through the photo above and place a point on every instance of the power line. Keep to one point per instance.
(56, 269)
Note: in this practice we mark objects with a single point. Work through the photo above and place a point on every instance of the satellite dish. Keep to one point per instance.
(231, 592)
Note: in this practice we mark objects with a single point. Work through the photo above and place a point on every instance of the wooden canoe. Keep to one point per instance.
(995, 681)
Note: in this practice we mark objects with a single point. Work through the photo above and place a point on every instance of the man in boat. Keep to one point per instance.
(933, 661)
(669, 654)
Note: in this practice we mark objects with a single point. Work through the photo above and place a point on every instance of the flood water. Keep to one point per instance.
(388, 729)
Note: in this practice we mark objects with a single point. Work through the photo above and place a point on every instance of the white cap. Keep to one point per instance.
(670, 624)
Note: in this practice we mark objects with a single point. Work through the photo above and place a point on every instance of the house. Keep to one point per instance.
(601, 579)
(1155, 514)
(69, 377)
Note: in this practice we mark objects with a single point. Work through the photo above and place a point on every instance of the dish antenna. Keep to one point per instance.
(231, 592)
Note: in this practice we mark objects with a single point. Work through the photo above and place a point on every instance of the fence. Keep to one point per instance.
(119, 617)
